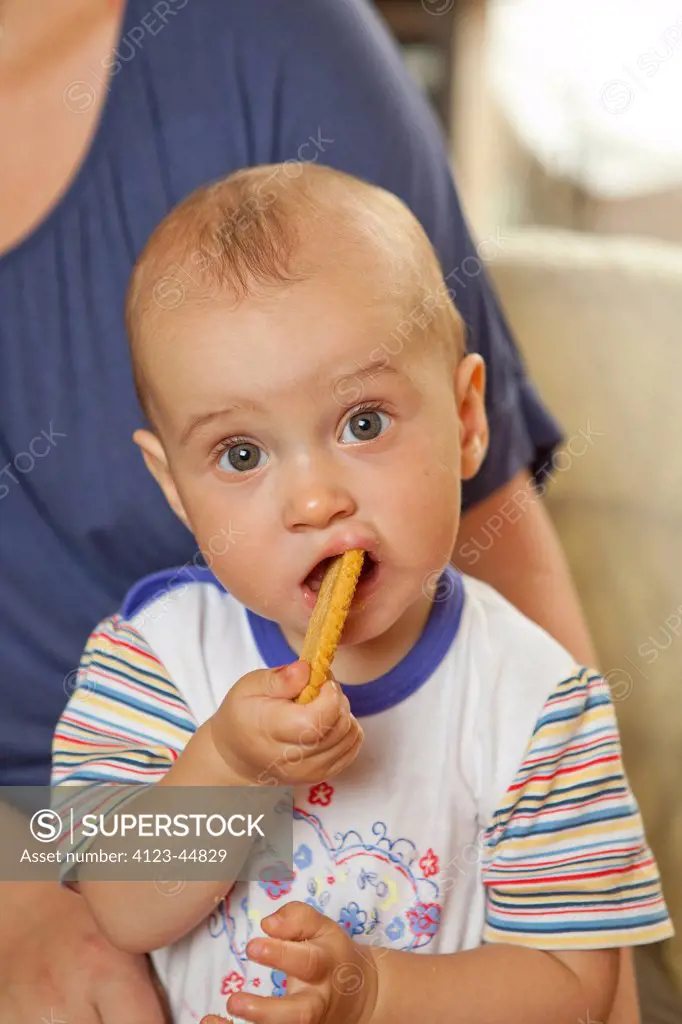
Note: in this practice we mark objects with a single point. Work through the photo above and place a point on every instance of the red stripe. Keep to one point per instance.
(136, 686)
(578, 857)
(546, 812)
(573, 750)
(139, 769)
(559, 697)
(118, 642)
(104, 732)
(606, 872)
(568, 770)
(607, 908)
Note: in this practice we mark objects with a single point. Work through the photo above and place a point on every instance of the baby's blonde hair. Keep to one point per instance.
(264, 227)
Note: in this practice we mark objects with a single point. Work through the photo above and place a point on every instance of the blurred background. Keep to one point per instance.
(560, 114)
(564, 123)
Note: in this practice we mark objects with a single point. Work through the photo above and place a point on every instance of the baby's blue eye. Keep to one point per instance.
(365, 426)
(239, 458)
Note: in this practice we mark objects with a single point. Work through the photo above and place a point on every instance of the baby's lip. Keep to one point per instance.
(344, 542)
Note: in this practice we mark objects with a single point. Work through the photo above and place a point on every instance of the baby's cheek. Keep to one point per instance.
(231, 546)
(427, 509)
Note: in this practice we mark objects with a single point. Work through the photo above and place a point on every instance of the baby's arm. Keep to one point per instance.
(333, 980)
(498, 984)
(141, 916)
(133, 726)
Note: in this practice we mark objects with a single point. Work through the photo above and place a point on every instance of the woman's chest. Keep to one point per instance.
(52, 87)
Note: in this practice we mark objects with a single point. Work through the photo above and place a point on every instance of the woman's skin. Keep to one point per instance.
(54, 964)
(45, 47)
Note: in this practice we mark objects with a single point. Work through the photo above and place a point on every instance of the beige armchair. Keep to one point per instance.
(599, 321)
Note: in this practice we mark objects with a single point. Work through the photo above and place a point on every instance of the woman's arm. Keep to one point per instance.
(625, 1009)
(509, 541)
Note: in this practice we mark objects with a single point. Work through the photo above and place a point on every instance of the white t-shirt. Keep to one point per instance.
(487, 803)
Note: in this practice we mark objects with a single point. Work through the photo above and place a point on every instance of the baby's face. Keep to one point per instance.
(300, 425)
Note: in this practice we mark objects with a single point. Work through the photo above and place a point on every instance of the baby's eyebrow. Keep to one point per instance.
(371, 370)
(203, 419)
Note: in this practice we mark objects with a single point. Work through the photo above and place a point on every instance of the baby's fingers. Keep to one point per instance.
(306, 1007)
(296, 921)
(285, 682)
(306, 724)
(346, 753)
(307, 961)
(338, 735)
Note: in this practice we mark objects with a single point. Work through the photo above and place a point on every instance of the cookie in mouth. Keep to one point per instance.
(313, 580)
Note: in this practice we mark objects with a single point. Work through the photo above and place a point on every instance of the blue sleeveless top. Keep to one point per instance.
(197, 89)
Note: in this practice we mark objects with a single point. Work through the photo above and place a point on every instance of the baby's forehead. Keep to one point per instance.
(328, 324)
(346, 314)
(325, 228)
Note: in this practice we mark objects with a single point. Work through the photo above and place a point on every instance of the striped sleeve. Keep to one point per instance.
(124, 726)
(125, 720)
(566, 864)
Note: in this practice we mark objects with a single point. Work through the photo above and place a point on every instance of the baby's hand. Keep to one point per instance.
(264, 738)
(329, 978)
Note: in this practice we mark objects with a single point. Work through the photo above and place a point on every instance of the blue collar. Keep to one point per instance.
(418, 665)
(380, 694)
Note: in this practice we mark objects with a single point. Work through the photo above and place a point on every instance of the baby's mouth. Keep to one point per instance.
(314, 578)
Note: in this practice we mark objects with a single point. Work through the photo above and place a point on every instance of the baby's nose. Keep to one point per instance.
(316, 501)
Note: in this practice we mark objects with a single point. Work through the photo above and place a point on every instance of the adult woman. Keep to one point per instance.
(110, 113)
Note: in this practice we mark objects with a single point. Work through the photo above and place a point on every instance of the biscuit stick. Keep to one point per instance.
(328, 619)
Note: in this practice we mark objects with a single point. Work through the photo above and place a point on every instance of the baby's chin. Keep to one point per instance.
(360, 630)
(381, 610)
(382, 615)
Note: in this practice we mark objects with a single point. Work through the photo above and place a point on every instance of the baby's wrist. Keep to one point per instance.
(371, 982)
(215, 769)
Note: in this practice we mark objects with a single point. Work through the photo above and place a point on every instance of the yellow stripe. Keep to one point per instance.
(602, 939)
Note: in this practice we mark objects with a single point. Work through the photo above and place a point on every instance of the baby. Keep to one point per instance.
(304, 375)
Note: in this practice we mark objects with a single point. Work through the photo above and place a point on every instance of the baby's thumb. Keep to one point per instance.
(288, 681)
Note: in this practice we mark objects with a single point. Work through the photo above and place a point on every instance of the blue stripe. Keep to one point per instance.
(189, 727)
(161, 714)
(566, 714)
(546, 748)
(500, 897)
(597, 844)
(92, 777)
(126, 665)
(551, 829)
(128, 757)
(545, 906)
(562, 926)
(544, 797)
(509, 864)
(133, 678)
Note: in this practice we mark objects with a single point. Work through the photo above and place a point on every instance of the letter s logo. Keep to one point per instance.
(46, 826)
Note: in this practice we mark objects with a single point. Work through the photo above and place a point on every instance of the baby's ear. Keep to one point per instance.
(156, 462)
(473, 422)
